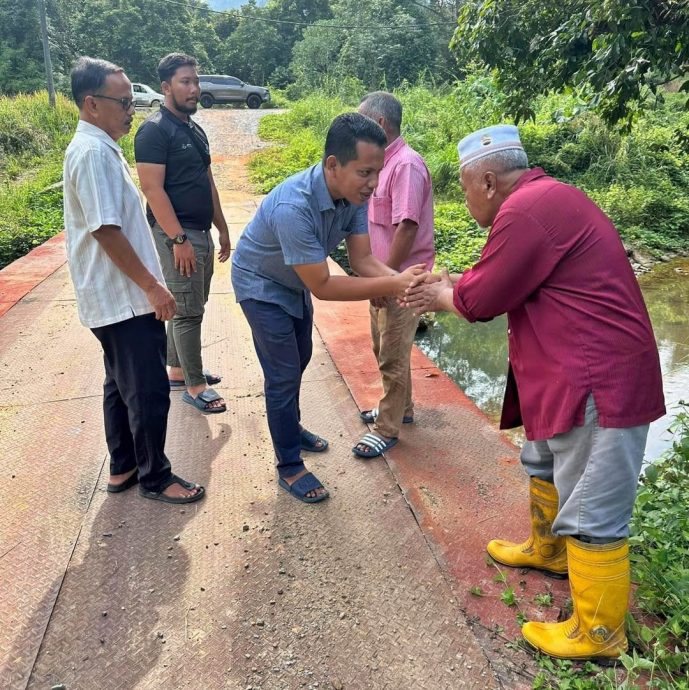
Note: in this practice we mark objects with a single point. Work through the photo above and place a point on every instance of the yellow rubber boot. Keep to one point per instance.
(542, 550)
(599, 580)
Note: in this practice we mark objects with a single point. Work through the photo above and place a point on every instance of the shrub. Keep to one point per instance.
(640, 179)
(33, 137)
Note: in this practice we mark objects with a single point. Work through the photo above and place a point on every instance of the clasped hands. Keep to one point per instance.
(428, 292)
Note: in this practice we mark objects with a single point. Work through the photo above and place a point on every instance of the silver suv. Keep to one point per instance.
(221, 88)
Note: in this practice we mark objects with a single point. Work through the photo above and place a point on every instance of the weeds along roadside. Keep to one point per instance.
(642, 180)
(33, 139)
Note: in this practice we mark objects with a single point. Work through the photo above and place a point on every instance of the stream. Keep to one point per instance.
(475, 355)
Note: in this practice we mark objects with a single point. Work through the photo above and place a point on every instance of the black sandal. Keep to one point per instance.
(126, 484)
(174, 479)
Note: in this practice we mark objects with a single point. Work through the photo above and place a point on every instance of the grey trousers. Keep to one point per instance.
(595, 471)
(191, 295)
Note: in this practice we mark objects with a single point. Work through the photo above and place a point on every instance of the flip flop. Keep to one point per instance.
(310, 441)
(174, 479)
(302, 486)
(376, 444)
(128, 483)
(211, 380)
(200, 402)
(369, 416)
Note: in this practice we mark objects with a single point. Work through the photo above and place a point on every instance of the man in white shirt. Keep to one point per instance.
(119, 286)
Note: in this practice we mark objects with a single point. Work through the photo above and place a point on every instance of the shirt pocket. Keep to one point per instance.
(380, 210)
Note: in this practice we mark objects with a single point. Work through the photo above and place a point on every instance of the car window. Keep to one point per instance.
(136, 88)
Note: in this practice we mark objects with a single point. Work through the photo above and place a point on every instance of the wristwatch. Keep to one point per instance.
(180, 239)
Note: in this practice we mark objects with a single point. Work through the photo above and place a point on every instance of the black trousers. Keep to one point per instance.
(136, 398)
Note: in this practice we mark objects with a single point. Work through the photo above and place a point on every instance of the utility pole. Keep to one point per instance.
(46, 53)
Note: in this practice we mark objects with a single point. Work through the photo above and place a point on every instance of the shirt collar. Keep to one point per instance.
(392, 149)
(87, 128)
(320, 189)
(172, 117)
(527, 177)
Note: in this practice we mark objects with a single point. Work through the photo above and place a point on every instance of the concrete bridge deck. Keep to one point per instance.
(248, 588)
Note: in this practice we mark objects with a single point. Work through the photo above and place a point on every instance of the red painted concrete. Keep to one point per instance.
(23, 275)
(461, 477)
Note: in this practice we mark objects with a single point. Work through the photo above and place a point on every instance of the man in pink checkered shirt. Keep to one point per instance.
(400, 225)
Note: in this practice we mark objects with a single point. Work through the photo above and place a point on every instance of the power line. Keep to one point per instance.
(339, 27)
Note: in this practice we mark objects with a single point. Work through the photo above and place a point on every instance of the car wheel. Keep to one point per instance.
(206, 100)
(155, 103)
(254, 101)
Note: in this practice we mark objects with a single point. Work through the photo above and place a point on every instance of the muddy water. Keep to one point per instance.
(475, 355)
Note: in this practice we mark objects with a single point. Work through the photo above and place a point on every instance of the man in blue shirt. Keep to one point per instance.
(281, 258)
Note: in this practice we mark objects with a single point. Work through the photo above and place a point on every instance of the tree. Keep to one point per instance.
(381, 43)
(617, 54)
(291, 18)
(135, 34)
(252, 50)
(21, 56)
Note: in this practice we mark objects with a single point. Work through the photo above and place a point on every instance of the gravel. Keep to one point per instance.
(233, 132)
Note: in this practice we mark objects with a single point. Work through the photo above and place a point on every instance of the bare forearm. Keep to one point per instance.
(218, 216)
(122, 254)
(370, 267)
(349, 289)
(402, 243)
(446, 301)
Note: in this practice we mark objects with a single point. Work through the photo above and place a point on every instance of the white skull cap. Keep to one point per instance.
(488, 140)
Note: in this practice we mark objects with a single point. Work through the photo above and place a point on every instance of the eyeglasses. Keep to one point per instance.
(126, 103)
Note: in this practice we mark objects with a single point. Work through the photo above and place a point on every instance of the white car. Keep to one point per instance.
(146, 96)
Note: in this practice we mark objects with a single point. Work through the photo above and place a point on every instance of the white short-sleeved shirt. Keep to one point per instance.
(99, 190)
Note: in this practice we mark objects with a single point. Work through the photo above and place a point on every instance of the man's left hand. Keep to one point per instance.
(225, 247)
(430, 295)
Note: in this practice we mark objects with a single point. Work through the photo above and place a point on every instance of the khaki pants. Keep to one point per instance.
(392, 332)
(191, 295)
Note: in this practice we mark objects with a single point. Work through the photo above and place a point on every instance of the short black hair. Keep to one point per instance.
(88, 77)
(169, 65)
(348, 129)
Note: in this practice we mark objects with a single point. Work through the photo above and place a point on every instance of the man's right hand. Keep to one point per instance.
(413, 274)
(185, 258)
(162, 301)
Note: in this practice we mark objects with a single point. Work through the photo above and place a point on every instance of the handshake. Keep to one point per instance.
(423, 291)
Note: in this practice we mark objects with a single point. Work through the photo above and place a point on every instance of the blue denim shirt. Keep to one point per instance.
(297, 223)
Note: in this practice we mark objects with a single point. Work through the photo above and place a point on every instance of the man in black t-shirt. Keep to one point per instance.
(173, 161)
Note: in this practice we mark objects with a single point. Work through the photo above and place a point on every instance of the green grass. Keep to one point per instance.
(640, 179)
(33, 138)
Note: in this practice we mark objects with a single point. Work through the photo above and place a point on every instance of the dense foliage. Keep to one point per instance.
(616, 53)
(660, 558)
(33, 138)
(640, 178)
(298, 42)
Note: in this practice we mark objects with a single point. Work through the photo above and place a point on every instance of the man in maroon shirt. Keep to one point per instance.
(584, 378)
